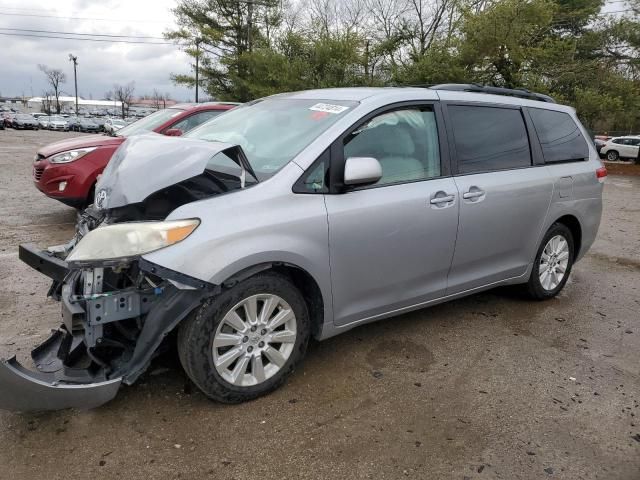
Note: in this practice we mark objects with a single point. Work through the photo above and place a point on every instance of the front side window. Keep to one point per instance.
(489, 138)
(559, 136)
(405, 142)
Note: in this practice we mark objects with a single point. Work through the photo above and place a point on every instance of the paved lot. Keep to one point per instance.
(491, 386)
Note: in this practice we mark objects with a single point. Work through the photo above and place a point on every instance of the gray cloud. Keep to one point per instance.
(100, 65)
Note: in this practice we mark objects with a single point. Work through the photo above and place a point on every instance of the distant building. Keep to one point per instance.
(70, 103)
(13, 100)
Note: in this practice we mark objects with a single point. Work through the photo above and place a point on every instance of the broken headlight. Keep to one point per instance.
(130, 239)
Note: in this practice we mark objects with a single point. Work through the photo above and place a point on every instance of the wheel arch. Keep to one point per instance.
(301, 278)
(574, 226)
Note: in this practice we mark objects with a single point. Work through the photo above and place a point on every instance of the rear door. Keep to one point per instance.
(504, 196)
(391, 243)
(631, 145)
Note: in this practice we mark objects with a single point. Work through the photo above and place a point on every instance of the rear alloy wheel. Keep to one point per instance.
(243, 343)
(553, 263)
(612, 155)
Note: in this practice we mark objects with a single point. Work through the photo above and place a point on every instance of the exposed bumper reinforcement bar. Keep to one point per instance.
(24, 390)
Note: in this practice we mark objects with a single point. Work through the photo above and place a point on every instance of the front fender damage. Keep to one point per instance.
(115, 320)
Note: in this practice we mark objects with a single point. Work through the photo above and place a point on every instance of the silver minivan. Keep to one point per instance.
(301, 216)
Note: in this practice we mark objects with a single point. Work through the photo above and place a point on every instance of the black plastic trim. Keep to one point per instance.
(43, 262)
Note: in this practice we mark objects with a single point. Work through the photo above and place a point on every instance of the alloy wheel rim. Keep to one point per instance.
(611, 156)
(254, 340)
(554, 262)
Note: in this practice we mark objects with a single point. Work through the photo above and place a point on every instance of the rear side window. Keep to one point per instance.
(560, 137)
(489, 138)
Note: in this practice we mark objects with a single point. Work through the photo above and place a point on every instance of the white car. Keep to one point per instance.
(621, 148)
(56, 122)
(113, 125)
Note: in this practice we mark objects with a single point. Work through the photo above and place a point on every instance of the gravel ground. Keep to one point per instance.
(491, 386)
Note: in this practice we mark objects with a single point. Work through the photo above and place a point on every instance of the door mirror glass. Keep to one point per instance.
(362, 171)
(173, 132)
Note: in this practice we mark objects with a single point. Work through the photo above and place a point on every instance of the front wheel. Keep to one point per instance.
(245, 342)
(553, 263)
(612, 155)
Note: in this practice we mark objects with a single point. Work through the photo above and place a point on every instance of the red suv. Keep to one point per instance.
(67, 170)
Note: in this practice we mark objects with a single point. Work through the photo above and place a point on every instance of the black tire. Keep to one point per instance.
(612, 155)
(195, 338)
(534, 286)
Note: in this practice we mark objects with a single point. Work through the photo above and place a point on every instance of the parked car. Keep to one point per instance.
(112, 125)
(621, 148)
(56, 122)
(67, 170)
(599, 143)
(7, 118)
(2, 123)
(73, 123)
(37, 115)
(88, 125)
(43, 121)
(305, 215)
(23, 121)
(99, 122)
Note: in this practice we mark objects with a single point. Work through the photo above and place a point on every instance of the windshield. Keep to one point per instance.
(57, 119)
(150, 122)
(273, 131)
(24, 117)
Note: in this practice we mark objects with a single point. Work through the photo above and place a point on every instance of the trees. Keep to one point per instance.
(124, 94)
(251, 48)
(56, 78)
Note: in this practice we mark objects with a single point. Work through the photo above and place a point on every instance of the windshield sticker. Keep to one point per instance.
(328, 108)
(319, 115)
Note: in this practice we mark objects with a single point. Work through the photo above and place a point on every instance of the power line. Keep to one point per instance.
(81, 18)
(81, 34)
(84, 39)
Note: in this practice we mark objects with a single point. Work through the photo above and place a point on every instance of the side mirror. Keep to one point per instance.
(362, 171)
(173, 132)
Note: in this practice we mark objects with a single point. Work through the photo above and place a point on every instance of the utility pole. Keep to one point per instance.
(74, 59)
(249, 26)
(198, 40)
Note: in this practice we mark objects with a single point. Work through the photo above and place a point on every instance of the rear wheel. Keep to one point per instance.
(612, 155)
(245, 342)
(553, 263)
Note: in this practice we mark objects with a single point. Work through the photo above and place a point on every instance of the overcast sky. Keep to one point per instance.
(100, 64)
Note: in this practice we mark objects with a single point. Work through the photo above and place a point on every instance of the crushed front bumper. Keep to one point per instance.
(52, 387)
(71, 374)
(23, 390)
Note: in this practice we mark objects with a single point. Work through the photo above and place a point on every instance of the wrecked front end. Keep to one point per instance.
(115, 317)
(117, 307)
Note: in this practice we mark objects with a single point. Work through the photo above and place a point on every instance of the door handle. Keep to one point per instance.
(474, 194)
(445, 199)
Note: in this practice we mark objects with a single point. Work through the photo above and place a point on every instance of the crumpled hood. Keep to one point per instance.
(79, 142)
(147, 163)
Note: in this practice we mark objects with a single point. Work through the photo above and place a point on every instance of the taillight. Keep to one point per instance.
(601, 174)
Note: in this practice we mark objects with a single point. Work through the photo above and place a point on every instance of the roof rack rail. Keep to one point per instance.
(478, 88)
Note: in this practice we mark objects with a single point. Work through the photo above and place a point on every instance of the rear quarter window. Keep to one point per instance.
(560, 137)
